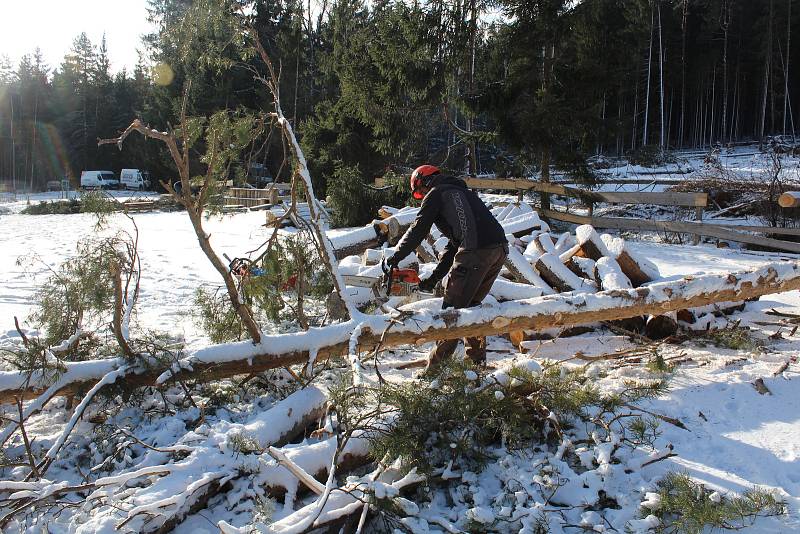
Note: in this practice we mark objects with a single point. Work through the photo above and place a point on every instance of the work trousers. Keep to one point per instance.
(471, 277)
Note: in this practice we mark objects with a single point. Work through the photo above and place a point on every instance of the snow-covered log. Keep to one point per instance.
(638, 270)
(544, 244)
(592, 245)
(550, 311)
(522, 270)
(641, 271)
(558, 276)
(333, 511)
(179, 488)
(523, 224)
(567, 255)
(610, 277)
(503, 290)
(354, 242)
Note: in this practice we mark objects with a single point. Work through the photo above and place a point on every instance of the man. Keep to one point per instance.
(474, 255)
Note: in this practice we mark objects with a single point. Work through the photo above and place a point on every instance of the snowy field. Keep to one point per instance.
(735, 438)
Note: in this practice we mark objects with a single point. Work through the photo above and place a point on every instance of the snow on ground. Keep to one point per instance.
(745, 439)
(737, 439)
(173, 265)
(740, 162)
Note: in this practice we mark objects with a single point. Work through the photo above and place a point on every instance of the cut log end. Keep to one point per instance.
(660, 327)
(790, 199)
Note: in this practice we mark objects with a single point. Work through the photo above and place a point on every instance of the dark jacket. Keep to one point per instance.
(460, 215)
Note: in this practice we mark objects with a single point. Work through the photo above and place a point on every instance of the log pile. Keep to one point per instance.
(544, 262)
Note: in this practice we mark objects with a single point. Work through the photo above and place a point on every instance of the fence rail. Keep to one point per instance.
(257, 198)
(735, 233)
(666, 198)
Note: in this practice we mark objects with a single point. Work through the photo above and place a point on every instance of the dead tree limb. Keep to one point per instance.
(195, 206)
(301, 169)
(119, 312)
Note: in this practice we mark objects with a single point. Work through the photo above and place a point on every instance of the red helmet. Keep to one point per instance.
(421, 178)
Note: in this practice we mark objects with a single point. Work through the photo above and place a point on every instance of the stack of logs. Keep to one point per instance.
(539, 263)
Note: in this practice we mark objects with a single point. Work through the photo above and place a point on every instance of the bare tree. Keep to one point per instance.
(195, 204)
(725, 22)
(301, 171)
(649, 67)
(684, 15)
(787, 107)
(662, 142)
(767, 72)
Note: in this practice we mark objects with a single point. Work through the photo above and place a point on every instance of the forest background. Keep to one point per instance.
(512, 87)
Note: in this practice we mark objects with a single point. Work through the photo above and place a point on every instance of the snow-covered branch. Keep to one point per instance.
(550, 311)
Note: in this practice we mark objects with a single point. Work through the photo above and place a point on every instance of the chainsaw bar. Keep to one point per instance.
(400, 287)
(360, 281)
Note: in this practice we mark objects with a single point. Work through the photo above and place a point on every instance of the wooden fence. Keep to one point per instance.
(257, 198)
(694, 200)
(698, 201)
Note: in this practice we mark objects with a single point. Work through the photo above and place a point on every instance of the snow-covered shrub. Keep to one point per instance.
(81, 289)
(657, 364)
(95, 202)
(44, 207)
(686, 506)
(76, 303)
(454, 421)
(457, 418)
(242, 443)
(650, 156)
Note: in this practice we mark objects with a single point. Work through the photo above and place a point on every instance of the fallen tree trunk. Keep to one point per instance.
(551, 311)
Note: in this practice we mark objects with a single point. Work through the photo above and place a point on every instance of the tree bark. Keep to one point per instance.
(683, 72)
(726, 21)
(767, 72)
(649, 66)
(662, 143)
(786, 106)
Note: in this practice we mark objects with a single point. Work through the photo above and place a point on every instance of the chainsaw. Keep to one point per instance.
(395, 282)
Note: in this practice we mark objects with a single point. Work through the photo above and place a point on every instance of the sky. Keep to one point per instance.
(53, 24)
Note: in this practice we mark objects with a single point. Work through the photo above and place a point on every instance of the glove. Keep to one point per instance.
(392, 263)
(428, 284)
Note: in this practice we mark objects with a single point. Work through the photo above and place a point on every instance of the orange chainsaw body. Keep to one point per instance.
(404, 282)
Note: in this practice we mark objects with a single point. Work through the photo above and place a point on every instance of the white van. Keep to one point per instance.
(99, 180)
(134, 179)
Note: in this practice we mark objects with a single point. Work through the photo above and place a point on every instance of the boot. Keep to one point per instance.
(476, 350)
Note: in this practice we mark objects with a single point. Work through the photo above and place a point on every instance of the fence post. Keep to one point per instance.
(698, 215)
